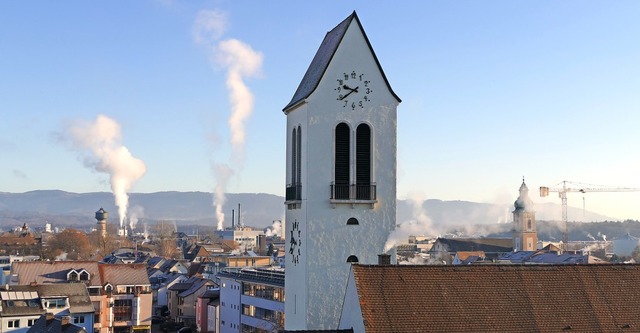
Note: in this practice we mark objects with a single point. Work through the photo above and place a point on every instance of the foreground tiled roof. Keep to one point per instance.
(499, 298)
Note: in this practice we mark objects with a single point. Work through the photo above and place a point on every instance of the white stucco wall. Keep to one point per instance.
(315, 287)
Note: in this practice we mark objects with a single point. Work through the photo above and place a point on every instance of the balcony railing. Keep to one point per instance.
(353, 192)
(294, 192)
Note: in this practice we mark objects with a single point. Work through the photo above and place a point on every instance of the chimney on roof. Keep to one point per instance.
(384, 259)
(64, 320)
(49, 316)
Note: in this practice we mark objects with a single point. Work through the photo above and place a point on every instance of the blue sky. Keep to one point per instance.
(492, 91)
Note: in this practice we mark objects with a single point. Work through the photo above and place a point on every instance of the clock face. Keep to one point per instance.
(354, 90)
(295, 240)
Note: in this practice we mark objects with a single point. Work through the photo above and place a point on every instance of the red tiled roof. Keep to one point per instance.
(499, 298)
(124, 274)
(48, 272)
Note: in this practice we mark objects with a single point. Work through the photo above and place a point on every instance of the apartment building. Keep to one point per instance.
(120, 293)
(251, 300)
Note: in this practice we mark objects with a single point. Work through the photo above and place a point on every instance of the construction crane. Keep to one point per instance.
(568, 186)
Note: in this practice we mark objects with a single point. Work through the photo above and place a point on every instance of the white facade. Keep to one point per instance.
(251, 299)
(230, 308)
(319, 241)
(246, 237)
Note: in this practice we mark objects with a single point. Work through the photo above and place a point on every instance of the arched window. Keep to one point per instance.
(299, 157)
(352, 259)
(352, 221)
(342, 158)
(363, 162)
(294, 157)
(529, 224)
(294, 189)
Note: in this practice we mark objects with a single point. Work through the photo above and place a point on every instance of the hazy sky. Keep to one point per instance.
(492, 91)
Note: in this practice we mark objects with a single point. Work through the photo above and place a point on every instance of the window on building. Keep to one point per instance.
(294, 189)
(72, 276)
(352, 221)
(55, 303)
(342, 176)
(352, 259)
(84, 275)
(529, 224)
(363, 162)
(78, 319)
(30, 322)
(122, 309)
(13, 323)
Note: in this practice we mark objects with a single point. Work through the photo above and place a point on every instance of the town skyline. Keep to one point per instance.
(491, 92)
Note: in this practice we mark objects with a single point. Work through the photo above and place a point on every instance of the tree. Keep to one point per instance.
(73, 242)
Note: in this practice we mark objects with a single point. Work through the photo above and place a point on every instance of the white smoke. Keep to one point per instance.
(223, 173)
(101, 141)
(275, 229)
(240, 62)
(135, 214)
(591, 236)
(604, 237)
(420, 224)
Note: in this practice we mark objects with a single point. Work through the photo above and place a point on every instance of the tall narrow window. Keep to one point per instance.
(299, 164)
(294, 157)
(294, 189)
(363, 162)
(342, 151)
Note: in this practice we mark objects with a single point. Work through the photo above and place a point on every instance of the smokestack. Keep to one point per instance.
(262, 244)
(384, 259)
(233, 219)
(239, 220)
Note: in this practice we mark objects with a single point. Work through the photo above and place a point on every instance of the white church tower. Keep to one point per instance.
(341, 175)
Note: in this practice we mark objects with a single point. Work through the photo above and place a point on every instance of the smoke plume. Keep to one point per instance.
(275, 229)
(135, 214)
(420, 224)
(100, 142)
(240, 62)
(222, 172)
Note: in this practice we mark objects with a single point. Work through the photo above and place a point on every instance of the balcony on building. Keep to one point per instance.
(353, 194)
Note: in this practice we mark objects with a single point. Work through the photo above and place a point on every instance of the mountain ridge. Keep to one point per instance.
(256, 209)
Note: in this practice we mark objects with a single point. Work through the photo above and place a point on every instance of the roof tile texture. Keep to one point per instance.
(499, 298)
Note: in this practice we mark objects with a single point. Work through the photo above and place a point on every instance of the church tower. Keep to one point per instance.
(525, 236)
(341, 174)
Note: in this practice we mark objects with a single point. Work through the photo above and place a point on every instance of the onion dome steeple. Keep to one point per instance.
(523, 202)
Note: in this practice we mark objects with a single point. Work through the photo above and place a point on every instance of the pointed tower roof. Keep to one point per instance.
(323, 57)
(523, 202)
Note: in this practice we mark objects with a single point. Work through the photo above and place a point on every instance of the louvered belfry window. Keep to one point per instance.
(363, 162)
(342, 151)
(298, 169)
(294, 157)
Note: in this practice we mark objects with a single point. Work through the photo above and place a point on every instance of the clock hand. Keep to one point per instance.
(351, 90)
(345, 96)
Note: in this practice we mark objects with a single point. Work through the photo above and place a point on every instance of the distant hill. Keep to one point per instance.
(257, 209)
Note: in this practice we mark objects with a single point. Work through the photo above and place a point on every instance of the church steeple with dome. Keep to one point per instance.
(525, 236)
